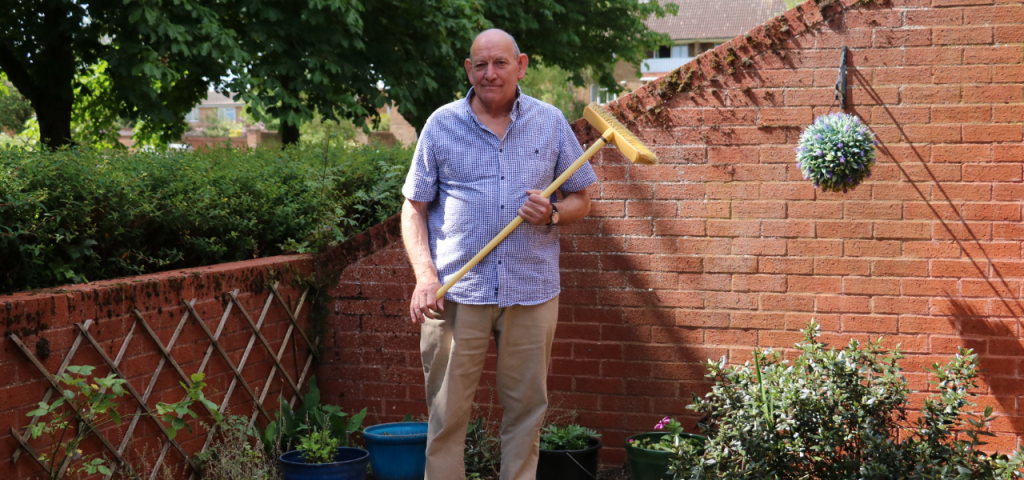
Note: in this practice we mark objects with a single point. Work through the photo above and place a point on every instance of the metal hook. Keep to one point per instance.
(841, 81)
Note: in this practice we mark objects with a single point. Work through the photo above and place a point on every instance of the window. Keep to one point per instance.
(192, 116)
(601, 95)
(227, 113)
(674, 51)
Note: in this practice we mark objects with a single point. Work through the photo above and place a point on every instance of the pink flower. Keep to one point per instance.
(659, 426)
(662, 423)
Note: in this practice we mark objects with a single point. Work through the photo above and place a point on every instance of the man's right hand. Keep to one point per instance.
(424, 299)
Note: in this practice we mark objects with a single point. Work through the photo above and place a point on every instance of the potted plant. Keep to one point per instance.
(398, 451)
(568, 453)
(320, 458)
(651, 454)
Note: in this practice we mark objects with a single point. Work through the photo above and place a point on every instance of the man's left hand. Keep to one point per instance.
(537, 209)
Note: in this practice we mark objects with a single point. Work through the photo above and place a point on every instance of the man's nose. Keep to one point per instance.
(491, 73)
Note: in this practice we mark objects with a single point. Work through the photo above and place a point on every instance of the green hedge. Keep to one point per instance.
(84, 215)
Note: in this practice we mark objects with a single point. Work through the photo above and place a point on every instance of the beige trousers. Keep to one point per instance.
(453, 349)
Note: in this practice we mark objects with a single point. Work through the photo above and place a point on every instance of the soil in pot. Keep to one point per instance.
(349, 464)
(647, 464)
(569, 464)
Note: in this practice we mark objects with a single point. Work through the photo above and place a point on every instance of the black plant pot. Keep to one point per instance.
(569, 464)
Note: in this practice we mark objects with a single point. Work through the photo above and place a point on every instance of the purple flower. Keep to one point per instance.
(828, 174)
(818, 137)
(818, 153)
(840, 144)
(842, 159)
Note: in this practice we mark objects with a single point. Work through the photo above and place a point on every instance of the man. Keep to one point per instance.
(479, 162)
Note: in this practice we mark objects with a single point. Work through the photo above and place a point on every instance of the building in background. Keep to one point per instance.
(699, 26)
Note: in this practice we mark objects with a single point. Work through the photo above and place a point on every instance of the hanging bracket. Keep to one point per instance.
(841, 81)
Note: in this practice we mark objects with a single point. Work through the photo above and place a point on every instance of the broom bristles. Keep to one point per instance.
(628, 144)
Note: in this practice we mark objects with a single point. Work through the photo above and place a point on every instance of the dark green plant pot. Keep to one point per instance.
(652, 464)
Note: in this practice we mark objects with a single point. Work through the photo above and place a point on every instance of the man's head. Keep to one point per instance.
(495, 66)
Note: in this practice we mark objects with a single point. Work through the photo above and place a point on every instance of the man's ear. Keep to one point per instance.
(524, 62)
(467, 65)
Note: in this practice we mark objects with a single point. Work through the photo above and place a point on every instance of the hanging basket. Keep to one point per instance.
(836, 152)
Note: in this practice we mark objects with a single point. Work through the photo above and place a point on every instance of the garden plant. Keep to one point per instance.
(81, 215)
(88, 404)
(842, 414)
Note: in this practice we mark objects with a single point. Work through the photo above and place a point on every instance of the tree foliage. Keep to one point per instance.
(288, 59)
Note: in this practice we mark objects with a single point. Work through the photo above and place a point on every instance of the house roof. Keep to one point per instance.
(214, 99)
(716, 19)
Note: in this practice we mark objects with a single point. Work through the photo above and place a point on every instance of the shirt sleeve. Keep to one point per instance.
(421, 185)
(569, 150)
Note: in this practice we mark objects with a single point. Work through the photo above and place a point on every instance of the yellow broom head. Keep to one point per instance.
(627, 143)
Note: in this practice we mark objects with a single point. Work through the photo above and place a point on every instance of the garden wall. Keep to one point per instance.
(724, 248)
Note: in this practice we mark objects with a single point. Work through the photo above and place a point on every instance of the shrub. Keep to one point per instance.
(80, 215)
(568, 437)
(841, 414)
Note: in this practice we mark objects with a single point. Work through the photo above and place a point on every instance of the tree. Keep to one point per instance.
(576, 35)
(161, 57)
(332, 56)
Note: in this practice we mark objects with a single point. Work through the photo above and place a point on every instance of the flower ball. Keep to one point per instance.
(836, 152)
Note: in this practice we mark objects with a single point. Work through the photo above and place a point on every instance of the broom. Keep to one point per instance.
(612, 132)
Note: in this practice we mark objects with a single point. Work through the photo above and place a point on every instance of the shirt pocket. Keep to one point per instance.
(465, 168)
(539, 166)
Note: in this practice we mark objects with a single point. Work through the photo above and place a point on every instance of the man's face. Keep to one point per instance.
(493, 68)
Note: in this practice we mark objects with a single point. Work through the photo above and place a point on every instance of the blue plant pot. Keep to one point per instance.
(398, 451)
(349, 464)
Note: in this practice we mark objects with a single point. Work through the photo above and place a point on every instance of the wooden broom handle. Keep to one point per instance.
(519, 219)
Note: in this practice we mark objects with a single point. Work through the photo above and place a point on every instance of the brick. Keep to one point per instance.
(1009, 33)
(871, 248)
(992, 173)
(758, 209)
(678, 191)
(732, 190)
(873, 210)
(1007, 113)
(902, 76)
(962, 35)
(832, 210)
(902, 230)
(688, 227)
(921, 94)
(733, 228)
(870, 286)
(704, 209)
(870, 323)
(813, 284)
(676, 263)
(993, 15)
(787, 302)
(993, 94)
(958, 3)
(993, 55)
(957, 268)
(928, 287)
(934, 17)
(886, 38)
(958, 153)
(962, 74)
(732, 155)
(842, 304)
(794, 117)
(730, 264)
(1007, 153)
(843, 229)
(992, 211)
(934, 56)
(758, 246)
(787, 228)
(758, 283)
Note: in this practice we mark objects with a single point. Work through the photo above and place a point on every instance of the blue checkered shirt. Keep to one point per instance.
(475, 184)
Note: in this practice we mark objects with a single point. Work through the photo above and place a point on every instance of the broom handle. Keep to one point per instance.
(515, 223)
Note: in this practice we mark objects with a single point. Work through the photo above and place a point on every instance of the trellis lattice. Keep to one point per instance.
(143, 408)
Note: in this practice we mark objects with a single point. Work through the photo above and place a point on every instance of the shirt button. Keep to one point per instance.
(502, 178)
(500, 150)
(499, 262)
(503, 207)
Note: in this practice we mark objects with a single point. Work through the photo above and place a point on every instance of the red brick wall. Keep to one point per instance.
(160, 298)
(723, 248)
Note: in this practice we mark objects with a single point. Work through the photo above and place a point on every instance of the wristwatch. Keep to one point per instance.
(554, 215)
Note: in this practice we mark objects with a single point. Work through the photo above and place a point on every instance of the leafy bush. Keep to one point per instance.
(79, 215)
(841, 414)
(233, 455)
(310, 424)
(569, 437)
(482, 455)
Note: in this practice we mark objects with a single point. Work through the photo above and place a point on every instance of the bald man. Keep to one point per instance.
(479, 162)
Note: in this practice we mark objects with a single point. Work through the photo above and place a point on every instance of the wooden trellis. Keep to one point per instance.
(142, 400)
